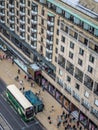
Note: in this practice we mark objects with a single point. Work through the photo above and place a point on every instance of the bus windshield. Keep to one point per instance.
(29, 112)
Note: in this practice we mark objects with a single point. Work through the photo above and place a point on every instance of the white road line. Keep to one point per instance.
(10, 114)
(6, 121)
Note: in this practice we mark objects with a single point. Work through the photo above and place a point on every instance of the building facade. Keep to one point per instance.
(62, 38)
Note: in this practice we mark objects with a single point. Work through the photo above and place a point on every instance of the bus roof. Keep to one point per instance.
(19, 96)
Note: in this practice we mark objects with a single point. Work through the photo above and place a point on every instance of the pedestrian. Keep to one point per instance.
(77, 123)
(25, 77)
(18, 71)
(32, 84)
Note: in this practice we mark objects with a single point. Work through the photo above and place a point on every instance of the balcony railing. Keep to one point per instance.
(33, 21)
(49, 41)
(96, 92)
(62, 64)
(49, 50)
(22, 4)
(34, 12)
(50, 23)
(11, 5)
(2, 6)
(79, 77)
(70, 70)
(88, 85)
(48, 59)
(33, 29)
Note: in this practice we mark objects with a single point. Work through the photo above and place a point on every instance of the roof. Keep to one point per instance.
(19, 96)
(89, 7)
(35, 67)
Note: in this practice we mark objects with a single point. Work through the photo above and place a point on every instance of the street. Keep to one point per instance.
(12, 118)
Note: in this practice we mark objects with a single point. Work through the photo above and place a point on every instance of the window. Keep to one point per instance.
(81, 51)
(41, 39)
(90, 69)
(96, 102)
(17, 4)
(29, 12)
(42, 30)
(91, 59)
(28, 37)
(63, 39)
(42, 21)
(80, 62)
(55, 59)
(29, 3)
(56, 50)
(17, 12)
(60, 72)
(72, 45)
(77, 86)
(57, 41)
(57, 31)
(62, 49)
(43, 12)
(86, 94)
(58, 22)
(68, 79)
(71, 55)
(28, 21)
(28, 29)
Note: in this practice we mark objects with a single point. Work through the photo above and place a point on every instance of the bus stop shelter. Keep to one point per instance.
(34, 99)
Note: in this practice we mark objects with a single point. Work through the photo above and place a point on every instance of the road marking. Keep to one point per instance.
(3, 118)
(10, 114)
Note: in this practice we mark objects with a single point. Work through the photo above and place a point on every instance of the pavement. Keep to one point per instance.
(9, 71)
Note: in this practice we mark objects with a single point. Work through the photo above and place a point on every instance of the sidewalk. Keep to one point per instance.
(8, 72)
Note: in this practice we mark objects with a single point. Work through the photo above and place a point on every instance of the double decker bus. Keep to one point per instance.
(20, 103)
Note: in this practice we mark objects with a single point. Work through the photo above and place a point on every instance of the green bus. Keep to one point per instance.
(20, 103)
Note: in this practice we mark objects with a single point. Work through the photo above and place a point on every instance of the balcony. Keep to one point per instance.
(85, 105)
(2, 6)
(49, 32)
(11, 5)
(22, 4)
(78, 75)
(11, 13)
(61, 61)
(12, 29)
(2, 21)
(34, 47)
(70, 67)
(22, 21)
(22, 13)
(33, 21)
(22, 37)
(33, 30)
(88, 82)
(33, 38)
(49, 50)
(34, 12)
(96, 88)
(48, 59)
(49, 42)
(11, 21)
(2, 13)
(50, 23)
(22, 29)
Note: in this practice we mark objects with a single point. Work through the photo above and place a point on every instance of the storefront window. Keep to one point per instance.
(59, 96)
(51, 90)
(83, 119)
(66, 103)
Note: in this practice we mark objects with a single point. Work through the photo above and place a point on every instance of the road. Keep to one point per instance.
(11, 116)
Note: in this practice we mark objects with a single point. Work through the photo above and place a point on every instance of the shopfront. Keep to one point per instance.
(92, 126)
(66, 103)
(83, 119)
